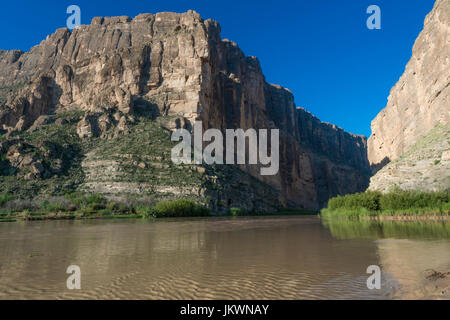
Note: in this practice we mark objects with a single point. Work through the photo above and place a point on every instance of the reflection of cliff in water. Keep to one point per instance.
(419, 267)
(414, 256)
(213, 258)
(243, 258)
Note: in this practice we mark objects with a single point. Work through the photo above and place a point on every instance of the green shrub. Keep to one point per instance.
(113, 206)
(96, 206)
(236, 212)
(25, 215)
(181, 208)
(53, 207)
(82, 201)
(410, 199)
(4, 198)
(147, 212)
(370, 202)
(123, 208)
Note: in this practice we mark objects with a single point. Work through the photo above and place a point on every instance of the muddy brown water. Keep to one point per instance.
(223, 258)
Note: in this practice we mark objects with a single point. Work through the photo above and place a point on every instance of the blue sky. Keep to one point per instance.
(338, 69)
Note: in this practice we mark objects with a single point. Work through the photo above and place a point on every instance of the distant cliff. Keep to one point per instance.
(411, 133)
(176, 66)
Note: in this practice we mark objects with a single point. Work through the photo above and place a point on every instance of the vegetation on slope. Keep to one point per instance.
(94, 206)
(54, 145)
(10, 89)
(424, 166)
(81, 206)
(133, 168)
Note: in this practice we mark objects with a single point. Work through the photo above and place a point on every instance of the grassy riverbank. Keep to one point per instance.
(79, 206)
(394, 205)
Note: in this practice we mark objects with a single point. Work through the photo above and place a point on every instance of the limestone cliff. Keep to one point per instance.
(412, 131)
(425, 166)
(420, 99)
(176, 65)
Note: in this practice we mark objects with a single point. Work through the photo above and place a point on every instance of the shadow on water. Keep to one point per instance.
(414, 230)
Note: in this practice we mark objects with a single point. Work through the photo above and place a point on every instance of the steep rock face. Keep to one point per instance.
(409, 145)
(317, 160)
(177, 64)
(420, 99)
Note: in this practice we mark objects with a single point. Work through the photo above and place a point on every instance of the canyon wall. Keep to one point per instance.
(409, 144)
(178, 65)
(420, 100)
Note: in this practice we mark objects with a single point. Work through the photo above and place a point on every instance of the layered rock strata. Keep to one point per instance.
(177, 64)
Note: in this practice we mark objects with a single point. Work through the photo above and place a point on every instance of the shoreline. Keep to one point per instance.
(397, 205)
(407, 218)
(99, 216)
(392, 217)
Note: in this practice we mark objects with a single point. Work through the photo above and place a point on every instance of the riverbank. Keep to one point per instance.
(435, 214)
(409, 218)
(394, 206)
(15, 217)
(82, 207)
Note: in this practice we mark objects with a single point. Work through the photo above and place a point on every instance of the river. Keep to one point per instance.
(223, 258)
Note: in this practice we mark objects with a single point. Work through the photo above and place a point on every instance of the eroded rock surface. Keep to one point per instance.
(425, 166)
(410, 137)
(421, 98)
(177, 64)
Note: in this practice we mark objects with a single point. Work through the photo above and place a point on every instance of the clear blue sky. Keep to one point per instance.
(320, 49)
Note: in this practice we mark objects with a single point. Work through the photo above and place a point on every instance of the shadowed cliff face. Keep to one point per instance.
(178, 64)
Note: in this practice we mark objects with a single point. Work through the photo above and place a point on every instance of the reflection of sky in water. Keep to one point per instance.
(245, 258)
